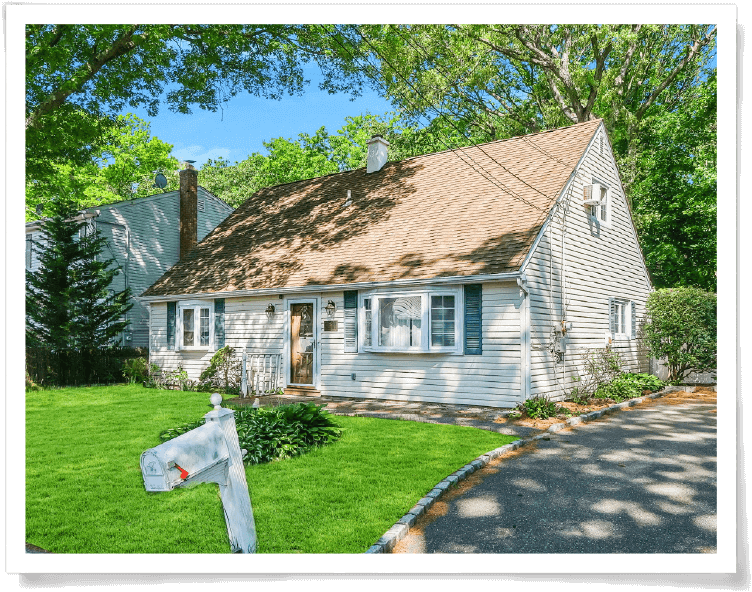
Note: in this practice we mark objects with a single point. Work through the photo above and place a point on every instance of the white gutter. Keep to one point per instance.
(440, 281)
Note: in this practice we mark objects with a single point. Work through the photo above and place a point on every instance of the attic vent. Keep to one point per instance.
(200, 205)
(600, 142)
(349, 198)
(592, 195)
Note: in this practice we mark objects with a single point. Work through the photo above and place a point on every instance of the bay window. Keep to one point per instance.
(414, 321)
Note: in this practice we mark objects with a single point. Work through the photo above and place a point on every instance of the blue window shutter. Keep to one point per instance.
(633, 314)
(171, 313)
(611, 317)
(351, 321)
(219, 323)
(473, 320)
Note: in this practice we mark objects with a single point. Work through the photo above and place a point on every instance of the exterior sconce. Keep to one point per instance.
(330, 308)
(270, 312)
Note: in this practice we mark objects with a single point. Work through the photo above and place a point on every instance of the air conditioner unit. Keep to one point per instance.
(592, 194)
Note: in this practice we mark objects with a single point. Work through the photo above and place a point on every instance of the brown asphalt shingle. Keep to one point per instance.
(424, 217)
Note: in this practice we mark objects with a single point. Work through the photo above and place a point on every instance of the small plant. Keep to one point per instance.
(539, 408)
(31, 385)
(136, 370)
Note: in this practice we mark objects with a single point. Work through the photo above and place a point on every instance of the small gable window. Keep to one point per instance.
(602, 212)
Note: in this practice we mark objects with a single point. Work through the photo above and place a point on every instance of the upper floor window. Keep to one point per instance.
(414, 321)
(602, 212)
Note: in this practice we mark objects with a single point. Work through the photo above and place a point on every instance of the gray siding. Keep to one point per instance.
(601, 262)
(143, 239)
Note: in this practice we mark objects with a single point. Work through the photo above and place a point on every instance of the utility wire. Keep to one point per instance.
(447, 76)
(473, 164)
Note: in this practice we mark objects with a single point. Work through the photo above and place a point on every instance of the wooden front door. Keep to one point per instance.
(302, 343)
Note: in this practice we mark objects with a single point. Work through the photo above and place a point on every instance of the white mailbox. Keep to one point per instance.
(207, 454)
(198, 456)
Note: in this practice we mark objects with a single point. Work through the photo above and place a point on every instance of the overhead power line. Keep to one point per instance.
(472, 163)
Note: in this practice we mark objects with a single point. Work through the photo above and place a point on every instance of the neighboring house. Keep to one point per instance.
(144, 239)
(473, 276)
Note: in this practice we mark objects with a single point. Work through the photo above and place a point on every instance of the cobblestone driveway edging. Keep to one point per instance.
(400, 529)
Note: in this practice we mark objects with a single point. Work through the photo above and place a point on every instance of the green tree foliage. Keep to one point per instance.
(121, 167)
(323, 153)
(79, 76)
(681, 328)
(68, 303)
(674, 193)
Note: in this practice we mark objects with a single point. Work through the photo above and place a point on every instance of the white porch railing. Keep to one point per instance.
(261, 373)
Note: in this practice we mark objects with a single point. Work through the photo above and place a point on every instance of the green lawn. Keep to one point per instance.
(85, 493)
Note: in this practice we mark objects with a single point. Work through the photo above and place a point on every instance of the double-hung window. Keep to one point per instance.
(194, 324)
(411, 321)
(622, 318)
(601, 212)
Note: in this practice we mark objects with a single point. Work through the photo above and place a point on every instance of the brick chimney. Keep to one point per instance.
(188, 210)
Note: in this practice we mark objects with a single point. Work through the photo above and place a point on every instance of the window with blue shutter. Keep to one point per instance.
(171, 313)
(219, 323)
(633, 314)
(351, 321)
(473, 319)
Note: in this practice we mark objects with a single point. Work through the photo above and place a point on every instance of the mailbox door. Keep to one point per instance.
(154, 472)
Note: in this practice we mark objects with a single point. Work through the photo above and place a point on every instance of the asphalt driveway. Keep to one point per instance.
(639, 481)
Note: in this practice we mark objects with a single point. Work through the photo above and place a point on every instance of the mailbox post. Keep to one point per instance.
(208, 454)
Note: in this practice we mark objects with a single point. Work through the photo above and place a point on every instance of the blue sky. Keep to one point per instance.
(246, 121)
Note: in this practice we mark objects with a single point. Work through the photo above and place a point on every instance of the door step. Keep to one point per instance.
(302, 391)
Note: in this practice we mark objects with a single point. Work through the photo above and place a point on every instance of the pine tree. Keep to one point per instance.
(68, 302)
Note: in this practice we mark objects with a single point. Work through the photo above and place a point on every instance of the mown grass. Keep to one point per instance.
(85, 493)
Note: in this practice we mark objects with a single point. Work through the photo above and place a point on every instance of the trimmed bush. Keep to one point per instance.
(539, 408)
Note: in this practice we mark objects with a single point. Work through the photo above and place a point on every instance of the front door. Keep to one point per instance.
(302, 343)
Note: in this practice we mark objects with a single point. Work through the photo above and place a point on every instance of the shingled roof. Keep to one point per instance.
(454, 213)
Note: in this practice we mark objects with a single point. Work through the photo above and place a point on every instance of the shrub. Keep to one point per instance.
(274, 433)
(681, 329)
(136, 370)
(539, 408)
(628, 386)
(601, 366)
(223, 372)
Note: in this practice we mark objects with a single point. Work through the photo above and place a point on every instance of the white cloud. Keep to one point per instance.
(199, 154)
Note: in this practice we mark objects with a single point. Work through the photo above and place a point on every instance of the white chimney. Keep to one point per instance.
(377, 154)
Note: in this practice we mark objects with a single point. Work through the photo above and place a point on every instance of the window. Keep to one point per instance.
(194, 329)
(622, 318)
(601, 212)
(425, 321)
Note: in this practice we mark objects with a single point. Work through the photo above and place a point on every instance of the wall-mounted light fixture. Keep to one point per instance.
(330, 308)
(270, 312)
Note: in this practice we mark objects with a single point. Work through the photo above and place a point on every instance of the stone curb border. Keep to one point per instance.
(400, 529)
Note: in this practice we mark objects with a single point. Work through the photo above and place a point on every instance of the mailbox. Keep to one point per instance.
(198, 456)
(207, 454)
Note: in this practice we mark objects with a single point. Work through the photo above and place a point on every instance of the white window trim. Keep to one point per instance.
(425, 346)
(196, 305)
(595, 210)
(627, 304)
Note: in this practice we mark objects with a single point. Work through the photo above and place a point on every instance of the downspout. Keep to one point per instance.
(524, 338)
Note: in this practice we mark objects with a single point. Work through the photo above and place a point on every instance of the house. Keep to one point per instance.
(146, 237)
(470, 276)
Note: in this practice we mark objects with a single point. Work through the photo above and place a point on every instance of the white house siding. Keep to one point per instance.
(246, 325)
(601, 262)
(492, 378)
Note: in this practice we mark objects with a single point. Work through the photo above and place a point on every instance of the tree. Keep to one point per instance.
(681, 329)
(121, 167)
(68, 302)
(88, 73)
(674, 192)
